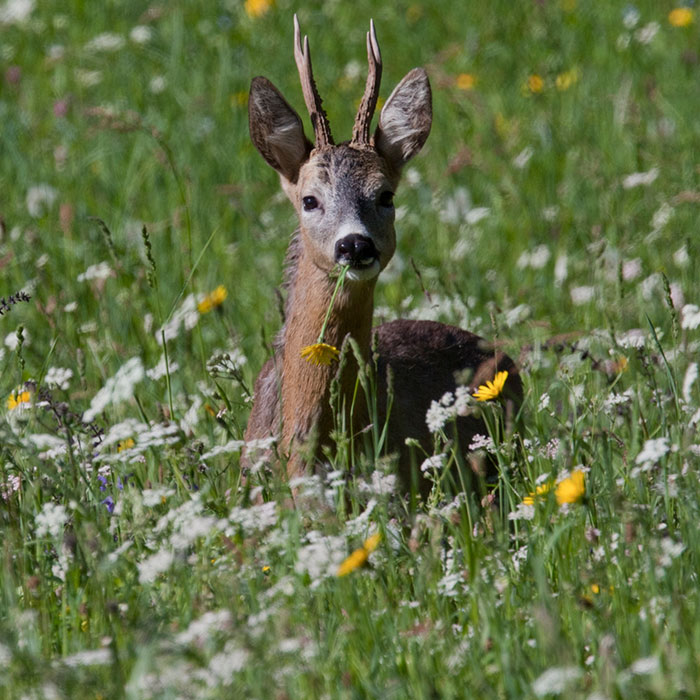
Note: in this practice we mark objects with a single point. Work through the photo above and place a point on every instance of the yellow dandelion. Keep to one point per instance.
(359, 556)
(491, 390)
(125, 444)
(535, 83)
(18, 398)
(565, 80)
(595, 588)
(569, 490)
(212, 300)
(465, 81)
(257, 8)
(266, 570)
(681, 16)
(320, 353)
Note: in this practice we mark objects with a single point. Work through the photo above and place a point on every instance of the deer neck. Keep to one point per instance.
(305, 386)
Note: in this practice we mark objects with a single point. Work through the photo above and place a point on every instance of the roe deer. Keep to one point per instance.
(343, 197)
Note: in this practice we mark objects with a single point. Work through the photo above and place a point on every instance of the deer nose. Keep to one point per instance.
(355, 250)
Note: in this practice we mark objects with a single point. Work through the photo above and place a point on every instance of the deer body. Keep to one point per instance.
(343, 196)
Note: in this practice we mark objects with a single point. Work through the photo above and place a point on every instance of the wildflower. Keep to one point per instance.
(690, 315)
(681, 17)
(125, 444)
(565, 80)
(51, 520)
(212, 300)
(118, 388)
(571, 489)
(320, 353)
(40, 198)
(17, 398)
(465, 81)
(359, 556)
(535, 83)
(568, 490)
(555, 680)
(257, 8)
(492, 389)
(640, 179)
(58, 377)
(106, 41)
(582, 295)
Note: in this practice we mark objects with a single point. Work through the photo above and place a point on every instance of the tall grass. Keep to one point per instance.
(554, 208)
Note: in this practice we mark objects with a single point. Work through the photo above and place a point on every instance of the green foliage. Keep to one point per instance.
(141, 241)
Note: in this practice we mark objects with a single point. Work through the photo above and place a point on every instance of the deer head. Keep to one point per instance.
(343, 194)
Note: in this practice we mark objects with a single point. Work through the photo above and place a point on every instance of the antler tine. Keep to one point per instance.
(365, 112)
(319, 120)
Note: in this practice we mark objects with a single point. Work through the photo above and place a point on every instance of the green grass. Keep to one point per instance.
(177, 584)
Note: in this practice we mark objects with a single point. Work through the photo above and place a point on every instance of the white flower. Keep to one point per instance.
(254, 519)
(645, 666)
(475, 215)
(11, 340)
(58, 377)
(646, 34)
(88, 78)
(100, 271)
(581, 295)
(40, 199)
(437, 416)
(631, 269)
(690, 315)
(88, 657)
(230, 446)
(155, 497)
(157, 84)
(639, 179)
(522, 512)
(321, 557)
(691, 375)
(160, 370)
(652, 452)
(118, 388)
(16, 11)
(187, 316)
(561, 270)
(156, 564)
(436, 462)
(523, 158)
(554, 680)
(51, 520)
(681, 257)
(141, 34)
(106, 41)
(201, 629)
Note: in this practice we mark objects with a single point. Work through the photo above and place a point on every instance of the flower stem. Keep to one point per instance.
(341, 278)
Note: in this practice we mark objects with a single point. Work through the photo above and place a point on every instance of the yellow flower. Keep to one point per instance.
(565, 80)
(125, 444)
(257, 8)
(535, 83)
(465, 81)
(212, 300)
(320, 353)
(491, 390)
(681, 16)
(17, 399)
(359, 556)
(569, 490)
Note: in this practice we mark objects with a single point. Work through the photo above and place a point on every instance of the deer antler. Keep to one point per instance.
(365, 112)
(319, 120)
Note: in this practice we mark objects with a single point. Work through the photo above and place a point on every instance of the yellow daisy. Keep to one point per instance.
(492, 389)
(359, 556)
(17, 398)
(212, 300)
(681, 16)
(320, 353)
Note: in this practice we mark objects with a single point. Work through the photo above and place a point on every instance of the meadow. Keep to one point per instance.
(554, 208)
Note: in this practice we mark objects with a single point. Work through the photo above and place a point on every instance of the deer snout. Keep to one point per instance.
(356, 250)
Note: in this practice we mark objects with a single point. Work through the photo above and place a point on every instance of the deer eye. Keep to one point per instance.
(309, 203)
(386, 199)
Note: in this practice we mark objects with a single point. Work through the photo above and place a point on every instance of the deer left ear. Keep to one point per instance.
(276, 129)
(405, 121)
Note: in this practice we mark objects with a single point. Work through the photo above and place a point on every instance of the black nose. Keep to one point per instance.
(355, 250)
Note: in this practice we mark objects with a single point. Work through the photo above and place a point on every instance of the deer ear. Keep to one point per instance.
(404, 123)
(276, 129)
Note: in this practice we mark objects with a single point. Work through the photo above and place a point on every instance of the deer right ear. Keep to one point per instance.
(405, 121)
(276, 129)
